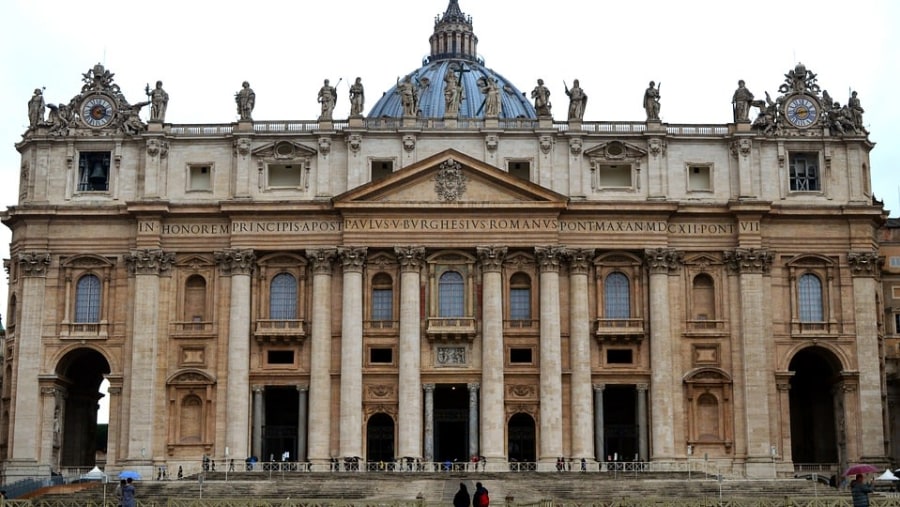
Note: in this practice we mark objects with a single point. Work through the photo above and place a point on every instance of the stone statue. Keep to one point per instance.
(246, 100)
(827, 101)
(36, 108)
(407, 97)
(741, 102)
(768, 113)
(491, 92)
(651, 101)
(61, 118)
(130, 118)
(159, 100)
(577, 101)
(452, 95)
(856, 112)
(327, 97)
(541, 96)
(357, 98)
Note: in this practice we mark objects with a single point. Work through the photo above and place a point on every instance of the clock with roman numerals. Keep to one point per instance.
(97, 111)
(801, 111)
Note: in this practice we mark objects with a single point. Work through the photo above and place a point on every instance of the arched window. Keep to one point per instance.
(451, 295)
(87, 299)
(704, 298)
(616, 297)
(283, 297)
(520, 297)
(809, 294)
(382, 297)
(195, 299)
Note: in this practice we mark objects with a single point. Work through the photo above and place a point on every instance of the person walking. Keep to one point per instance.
(859, 491)
(128, 499)
(481, 498)
(461, 498)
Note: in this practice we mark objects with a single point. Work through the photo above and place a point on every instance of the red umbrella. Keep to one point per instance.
(861, 469)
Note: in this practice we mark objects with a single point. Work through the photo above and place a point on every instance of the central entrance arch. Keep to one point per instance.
(380, 439)
(521, 442)
(451, 427)
(816, 406)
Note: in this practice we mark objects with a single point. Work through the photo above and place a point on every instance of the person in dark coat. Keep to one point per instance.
(461, 499)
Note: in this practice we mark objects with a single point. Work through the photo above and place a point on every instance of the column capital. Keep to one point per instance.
(642, 387)
(303, 388)
(748, 260)
(428, 388)
(352, 258)
(322, 260)
(473, 386)
(865, 264)
(258, 389)
(410, 258)
(663, 260)
(549, 257)
(579, 259)
(235, 262)
(491, 257)
(149, 261)
(33, 263)
(599, 387)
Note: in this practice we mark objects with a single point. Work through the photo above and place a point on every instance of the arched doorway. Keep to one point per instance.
(80, 373)
(521, 439)
(815, 409)
(380, 439)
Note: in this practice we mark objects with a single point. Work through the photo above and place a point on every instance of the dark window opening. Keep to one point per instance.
(280, 357)
(520, 169)
(805, 172)
(520, 356)
(381, 169)
(93, 171)
(381, 356)
(618, 356)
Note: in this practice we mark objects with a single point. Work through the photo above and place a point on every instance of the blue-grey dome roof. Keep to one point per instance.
(429, 81)
(454, 50)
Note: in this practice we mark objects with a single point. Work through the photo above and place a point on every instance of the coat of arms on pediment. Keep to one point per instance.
(450, 182)
(284, 150)
(616, 150)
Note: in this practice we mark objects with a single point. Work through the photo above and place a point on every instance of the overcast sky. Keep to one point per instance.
(202, 51)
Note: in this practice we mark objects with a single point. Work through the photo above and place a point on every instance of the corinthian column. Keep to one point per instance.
(580, 354)
(493, 415)
(865, 267)
(320, 356)
(551, 362)
(146, 266)
(32, 267)
(409, 415)
(352, 260)
(757, 371)
(238, 264)
(661, 262)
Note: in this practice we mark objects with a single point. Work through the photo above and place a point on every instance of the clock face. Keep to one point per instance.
(97, 111)
(801, 111)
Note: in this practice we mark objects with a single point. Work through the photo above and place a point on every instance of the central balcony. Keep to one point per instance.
(451, 329)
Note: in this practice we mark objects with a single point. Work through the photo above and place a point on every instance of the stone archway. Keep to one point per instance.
(75, 438)
(380, 439)
(816, 407)
(522, 444)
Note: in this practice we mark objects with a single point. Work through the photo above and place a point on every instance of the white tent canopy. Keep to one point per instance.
(94, 475)
(887, 476)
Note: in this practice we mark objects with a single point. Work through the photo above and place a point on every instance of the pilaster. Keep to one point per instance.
(322, 261)
(352, 260)
(580, 354)
(493, 407)
(550, 448)
(409, 424)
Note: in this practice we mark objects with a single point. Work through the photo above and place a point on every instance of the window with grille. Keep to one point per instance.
(283, 297)
(804, 172)
(809, 292)
(451, 295)
(616, 297)
(87, 299)
(382, 297)
(520, 297)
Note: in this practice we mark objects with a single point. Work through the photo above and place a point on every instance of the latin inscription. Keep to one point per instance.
(445, 225)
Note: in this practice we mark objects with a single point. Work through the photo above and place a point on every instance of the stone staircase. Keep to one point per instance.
(440, 487)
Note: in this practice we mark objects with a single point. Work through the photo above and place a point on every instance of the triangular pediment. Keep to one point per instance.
(616, 150)
(283, 150)
(451, 179)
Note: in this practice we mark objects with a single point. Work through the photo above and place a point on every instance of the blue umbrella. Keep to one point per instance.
(129, 474)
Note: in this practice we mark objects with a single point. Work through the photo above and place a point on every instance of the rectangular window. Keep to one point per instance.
(520, 304)
(619, 356)
(520, 356)
(382, 304)
(615, 176)
(897, 323)
(895, 292)
(381, 355)
(519, 169)
(895, 262)
(199, 178)
(381, 169)
(285, 175)
(93, 171)
(699, 178)
(804, 172)
(280, 357)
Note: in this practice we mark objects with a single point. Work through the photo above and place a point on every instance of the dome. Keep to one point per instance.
(454, 52)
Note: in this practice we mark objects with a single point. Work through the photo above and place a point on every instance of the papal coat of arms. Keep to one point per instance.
(450, 182)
